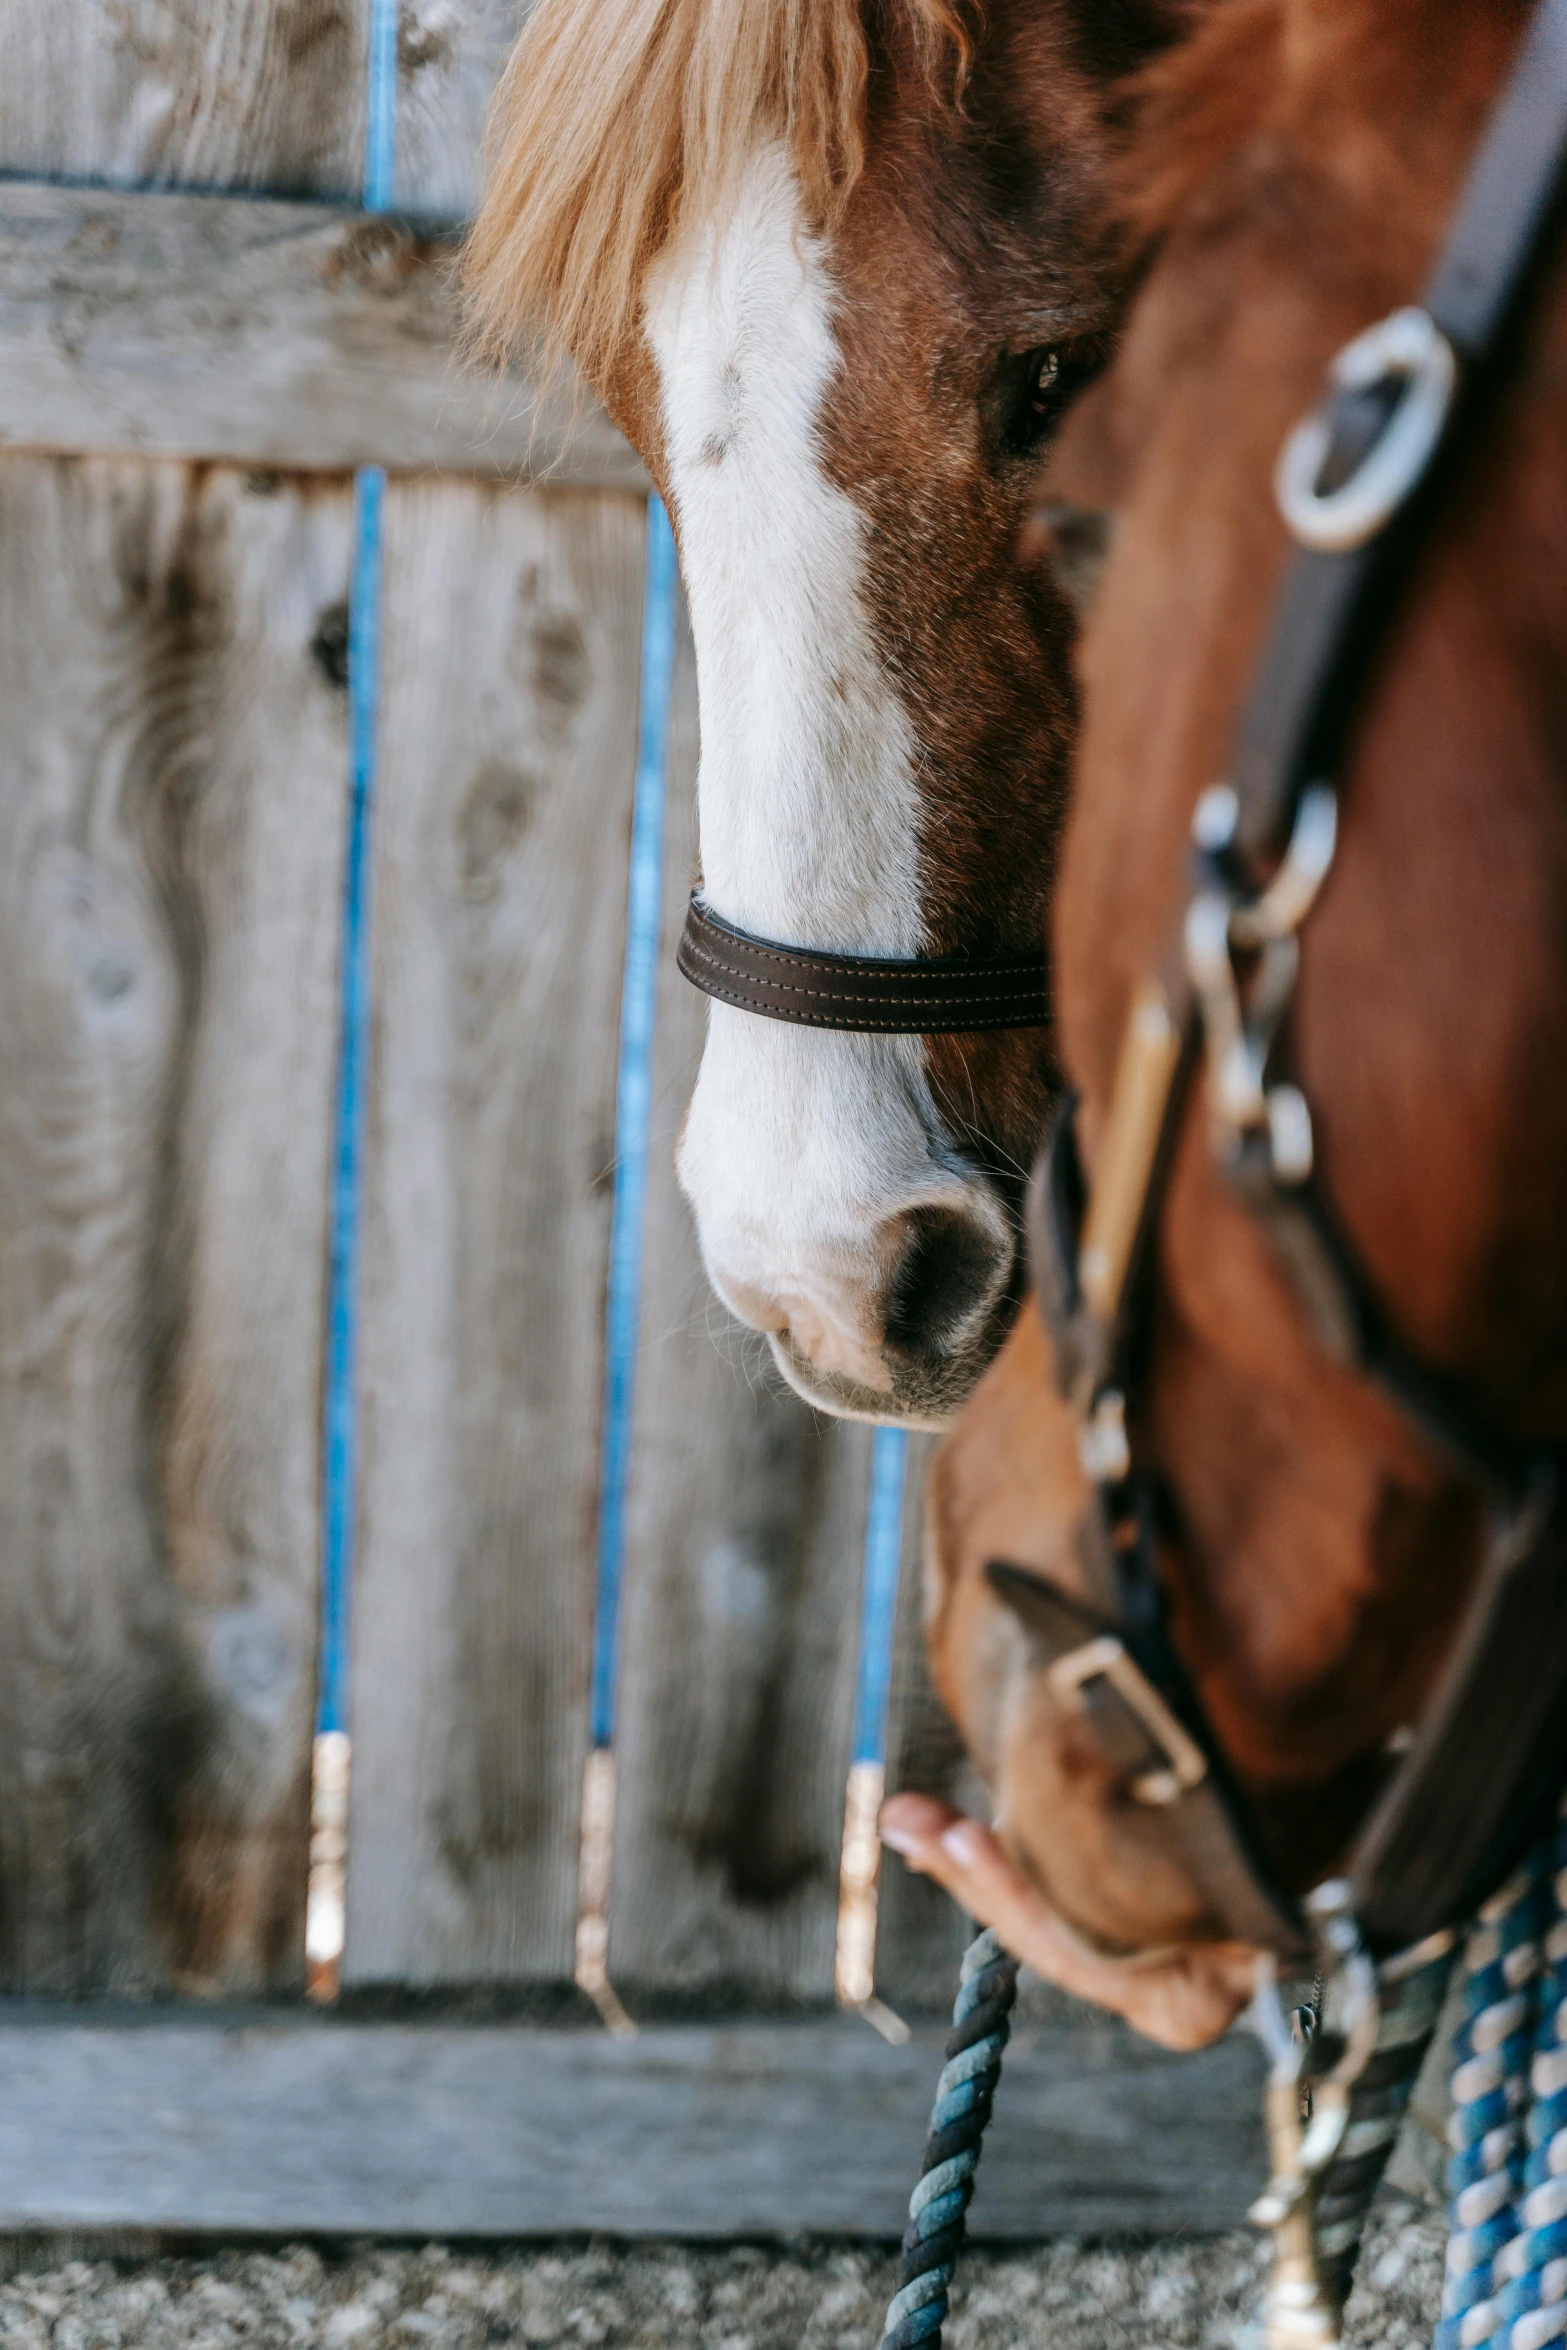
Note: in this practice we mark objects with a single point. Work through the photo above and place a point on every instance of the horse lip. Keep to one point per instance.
(849, 1399)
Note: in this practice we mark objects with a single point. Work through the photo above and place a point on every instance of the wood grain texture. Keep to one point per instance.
(745, 1526)
(508, 744)
(268, 333)
(700, 2131)
(449, 55)
(920, 1931)
(220, 93)
(171, 791)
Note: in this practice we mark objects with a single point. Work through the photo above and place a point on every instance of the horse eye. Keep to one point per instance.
(1045, 382)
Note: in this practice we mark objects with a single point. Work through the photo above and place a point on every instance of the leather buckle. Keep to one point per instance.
(1107, 1659)
(1410, 353)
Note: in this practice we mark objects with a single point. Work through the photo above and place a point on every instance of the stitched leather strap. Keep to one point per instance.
(867, 994)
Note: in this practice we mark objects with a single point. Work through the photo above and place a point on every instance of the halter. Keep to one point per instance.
(1476, 1781)
(868, 995)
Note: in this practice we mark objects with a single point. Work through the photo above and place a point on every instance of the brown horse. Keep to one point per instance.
(1295, 168)
(835, 267)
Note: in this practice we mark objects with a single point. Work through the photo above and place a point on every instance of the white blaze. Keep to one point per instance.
(800, 1143)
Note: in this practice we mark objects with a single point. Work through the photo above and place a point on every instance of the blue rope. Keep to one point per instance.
(981, 2023)
(879, 1601)
(1530, 2272)
(381, 107)
(339, 1451)
(633, 1107)
(339, 1408)
(1506, 2281)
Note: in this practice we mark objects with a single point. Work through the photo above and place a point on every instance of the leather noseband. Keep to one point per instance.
(953, 995)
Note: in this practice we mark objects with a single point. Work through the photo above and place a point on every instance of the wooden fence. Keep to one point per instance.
(202, 335)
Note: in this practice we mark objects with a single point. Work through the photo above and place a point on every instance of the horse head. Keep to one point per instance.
(836, 267)
(1295, 172)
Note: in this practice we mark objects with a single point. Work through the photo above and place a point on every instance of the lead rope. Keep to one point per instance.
(981, 2024)
(1505, 2286)
(1532, 2269)
(1506, 2281)
(1335, 2099)
(1490, 2088)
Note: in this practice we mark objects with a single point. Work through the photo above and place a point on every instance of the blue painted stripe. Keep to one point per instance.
(339, 1449)
(340, 1446)
(381, 107)
(633, 1107)
(879, 1594)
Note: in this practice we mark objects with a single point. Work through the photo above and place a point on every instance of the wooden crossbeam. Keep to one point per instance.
(302, 336)
(275, 2124)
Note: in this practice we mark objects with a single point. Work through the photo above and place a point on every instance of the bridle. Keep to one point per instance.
(1482, 1767)
(812, 987)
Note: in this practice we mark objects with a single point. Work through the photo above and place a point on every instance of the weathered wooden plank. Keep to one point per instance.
(508, 743)
(745, 1524)
(449, 54)
(262, 94)
(171, 790)
(749, 2129)
(269, 333)
(230, 93)
(920, 1931)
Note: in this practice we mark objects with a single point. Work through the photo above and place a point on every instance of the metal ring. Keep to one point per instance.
(1291, 894)
(1410, 346)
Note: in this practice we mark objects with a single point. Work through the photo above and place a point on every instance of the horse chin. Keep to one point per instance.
(925, 1396)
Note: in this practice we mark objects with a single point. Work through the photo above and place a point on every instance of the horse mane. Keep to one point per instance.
(1194, 108)
(617, 121)
(1357, 84)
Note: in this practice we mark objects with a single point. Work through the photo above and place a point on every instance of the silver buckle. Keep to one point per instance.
(1408, 346)
(1106, 1659)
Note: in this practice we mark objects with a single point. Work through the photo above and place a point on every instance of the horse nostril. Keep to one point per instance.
(950, 1273)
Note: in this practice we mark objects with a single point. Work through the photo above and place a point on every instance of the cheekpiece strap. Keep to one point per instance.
(1124, 1681)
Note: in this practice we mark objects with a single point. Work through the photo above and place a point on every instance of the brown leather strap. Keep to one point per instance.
(1490, 1755)
(1064, 1638)
(935, 996)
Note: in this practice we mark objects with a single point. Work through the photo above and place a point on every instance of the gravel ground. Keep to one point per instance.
(1061, 2296)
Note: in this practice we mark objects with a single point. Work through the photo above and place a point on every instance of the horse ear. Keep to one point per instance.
(1053, 1622)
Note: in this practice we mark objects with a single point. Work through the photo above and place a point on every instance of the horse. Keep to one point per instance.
(1291, 174)
(836, 268)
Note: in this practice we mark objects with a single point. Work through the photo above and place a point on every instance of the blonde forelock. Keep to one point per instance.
(618, 121)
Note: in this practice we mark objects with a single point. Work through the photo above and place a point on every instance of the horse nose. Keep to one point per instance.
(948, 1276)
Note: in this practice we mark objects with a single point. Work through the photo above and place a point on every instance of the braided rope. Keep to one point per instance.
(1490, 2087)
(981, 2023)
(1410, 1991)
(1529, 2273)
(1506, 2284)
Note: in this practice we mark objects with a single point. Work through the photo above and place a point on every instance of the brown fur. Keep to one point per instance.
(1299, 163)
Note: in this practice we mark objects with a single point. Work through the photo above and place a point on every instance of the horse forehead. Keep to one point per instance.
(739, 318)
